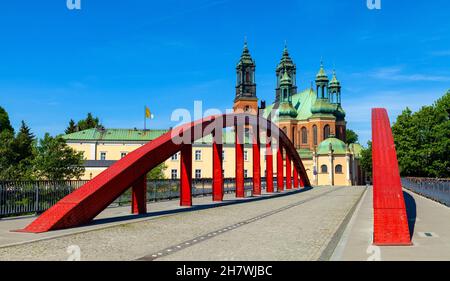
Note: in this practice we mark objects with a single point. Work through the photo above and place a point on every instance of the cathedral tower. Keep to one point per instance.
(286, 65)
(246, 99)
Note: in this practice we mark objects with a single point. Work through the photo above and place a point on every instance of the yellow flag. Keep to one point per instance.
(148, 114)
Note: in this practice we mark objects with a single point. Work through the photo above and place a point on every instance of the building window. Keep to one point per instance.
(315, 134)
(338, 169)
(223, 155)
(175, 157)
(174, 174)
(326, 132)
(324, 169)
(245, 155)
(198, 155)
(198, 174)
(123, 154)
(304, 135)
(245, 174)
(102, 155)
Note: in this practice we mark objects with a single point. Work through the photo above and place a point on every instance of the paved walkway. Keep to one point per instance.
(429, 221)
(295, 226)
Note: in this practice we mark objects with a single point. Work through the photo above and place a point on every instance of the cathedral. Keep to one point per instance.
(313, 119)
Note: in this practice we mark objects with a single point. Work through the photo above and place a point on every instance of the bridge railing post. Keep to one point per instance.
(139, 196)
(269, 160)
(186, 176)
(256, 159)
(295, 177)
(288, 172)
(239, 151)
(280, 169)
(217, 166)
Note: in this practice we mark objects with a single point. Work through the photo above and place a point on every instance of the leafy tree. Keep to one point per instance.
(88, 123)
(5, 124)
(72, 128)
(56, 161)
(351, 136)
(366, 159)
(7, 155)
(157, 173)
(23, 146)
(422, 140)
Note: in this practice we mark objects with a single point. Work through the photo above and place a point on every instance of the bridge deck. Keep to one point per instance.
(426, 218)
(300, 226)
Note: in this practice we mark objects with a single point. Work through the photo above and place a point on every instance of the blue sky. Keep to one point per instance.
(113, 57)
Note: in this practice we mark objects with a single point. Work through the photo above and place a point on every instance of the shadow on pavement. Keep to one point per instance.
(411, 212)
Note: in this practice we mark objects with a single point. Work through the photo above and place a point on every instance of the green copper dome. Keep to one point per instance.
(285, 80)
(338, 146)
(322, 75)
(287, 110)
(323, 106)
(286, 61)
(334, 81)
(246, 58)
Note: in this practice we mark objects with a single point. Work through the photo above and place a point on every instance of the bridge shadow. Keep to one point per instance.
(228, 202)
(411, 212)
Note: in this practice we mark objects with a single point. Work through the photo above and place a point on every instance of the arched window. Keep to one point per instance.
(324, 169)
(304, 135)
(338, 169)
(247, 76)
(285, 95)
(326, 131)
(315, 134)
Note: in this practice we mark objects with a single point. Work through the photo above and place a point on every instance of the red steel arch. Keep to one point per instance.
(84, 204)
(390, 217)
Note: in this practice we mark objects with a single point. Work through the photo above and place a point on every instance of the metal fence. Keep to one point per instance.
(435, 189)
(27, 197)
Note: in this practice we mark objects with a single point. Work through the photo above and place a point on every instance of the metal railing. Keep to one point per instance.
(24, 197)
(28, 197)
(435, 189)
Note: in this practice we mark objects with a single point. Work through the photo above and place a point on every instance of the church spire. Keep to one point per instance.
(245, 80)
(286, 64)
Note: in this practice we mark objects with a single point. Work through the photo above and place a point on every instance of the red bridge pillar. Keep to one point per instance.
(390, 216)
(302, 182)
(239, 143)
(280, 168)
(288, 172)
(256, 161)
(217, 167)
(139, 196)
(186, 176)
(269, 162)
(295, 177)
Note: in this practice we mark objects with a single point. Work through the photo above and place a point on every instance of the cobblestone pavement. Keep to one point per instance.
(294, 227)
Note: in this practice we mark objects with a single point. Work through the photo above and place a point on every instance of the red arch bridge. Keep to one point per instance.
(84, 204)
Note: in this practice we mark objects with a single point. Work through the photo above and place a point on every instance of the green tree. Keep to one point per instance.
(5, 124)
(422, 140)
(72, 128)
(7, 155)
(56, 161)
(351, 136)
(89, 123)
(23, 146)
(366, 159)
(157, 173)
